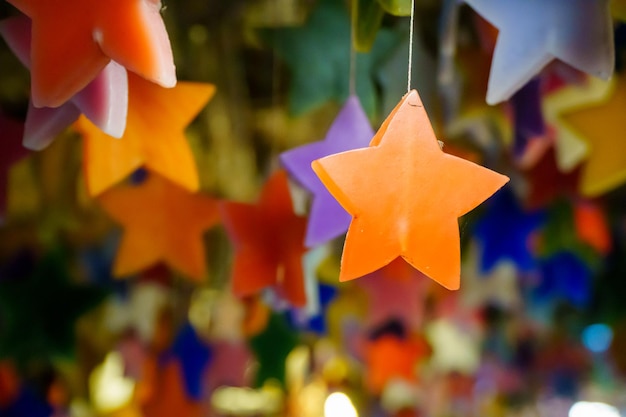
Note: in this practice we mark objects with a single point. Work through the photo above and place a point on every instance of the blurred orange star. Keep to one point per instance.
(162, 222)
(405, 196)
(269, 243)
(154, 136)
(389, 357)
(162, 392)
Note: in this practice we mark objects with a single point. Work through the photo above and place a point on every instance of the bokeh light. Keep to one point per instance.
(592, 409)
(597, 337)
(339, 404)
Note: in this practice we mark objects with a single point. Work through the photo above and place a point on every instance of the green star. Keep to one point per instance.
(38, 312)
(318, 55)
(367, 16)
(271, 348)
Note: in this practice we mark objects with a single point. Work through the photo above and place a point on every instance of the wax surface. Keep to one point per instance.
(350, 130)
(405, 195)
(269, 243)
(534, 32)
(73, 40)
(162, 222)
(104, 100)
(154, 136)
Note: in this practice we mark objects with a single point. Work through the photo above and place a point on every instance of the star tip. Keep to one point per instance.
(33, 144)
(494, 98)
(452, 286)
(345, 277)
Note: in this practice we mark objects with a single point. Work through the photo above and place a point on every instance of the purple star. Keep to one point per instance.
(104, 101)
(528, 117)
(350, 130)
(12, 151)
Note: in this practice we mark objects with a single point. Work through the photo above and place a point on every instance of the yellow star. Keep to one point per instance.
(570, 145)
(602, 129)
(154, 136)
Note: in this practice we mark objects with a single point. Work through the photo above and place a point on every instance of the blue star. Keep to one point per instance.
(564, 276)
(504, 232)
(194, 356)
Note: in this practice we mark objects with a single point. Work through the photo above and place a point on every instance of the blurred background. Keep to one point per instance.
(538, 327)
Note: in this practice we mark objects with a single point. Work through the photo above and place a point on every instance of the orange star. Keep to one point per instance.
(162, 393)
(389, 357)
(162, 222)
(73, 40)
(405, 195)
(269, 243)
(154, 136)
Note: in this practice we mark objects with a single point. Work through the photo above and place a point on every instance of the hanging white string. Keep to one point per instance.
(352, 74)
(408, 83)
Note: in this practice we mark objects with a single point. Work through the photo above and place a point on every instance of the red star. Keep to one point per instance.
(269, 243)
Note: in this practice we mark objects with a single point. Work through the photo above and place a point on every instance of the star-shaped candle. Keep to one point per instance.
(505, 232)
(154, 136)
(350, 130)
(390, 358)
(104, 100)
(318, 54)
(405, 196)
(162, 222)
(570, 145)
(601, 127)
(73, 40)
(534, 32)
(269, 243)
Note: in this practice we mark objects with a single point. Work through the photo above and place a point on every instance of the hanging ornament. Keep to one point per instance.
(154, 136)
(74, 40)
(269, 243)
(350, 130)
(600, 127)
(570, 145)
(104, 100)
(162, 222)
(405, 195)
(325, 41)
(505, 232)
(533, 33)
